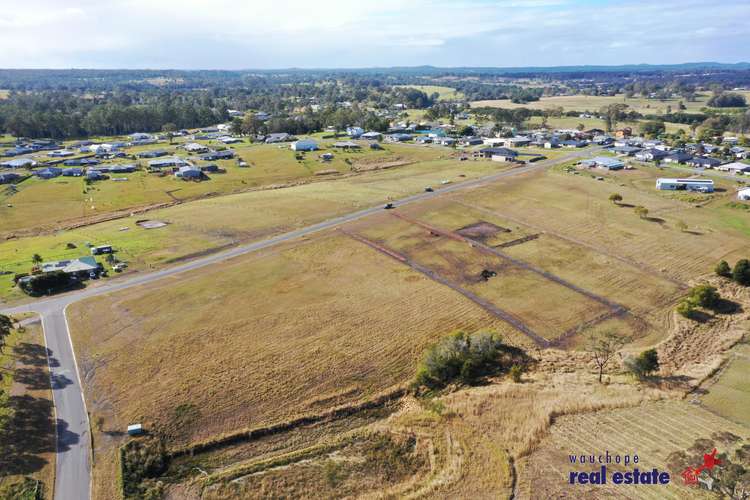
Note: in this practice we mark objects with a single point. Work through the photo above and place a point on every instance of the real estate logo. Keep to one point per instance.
(691, 474)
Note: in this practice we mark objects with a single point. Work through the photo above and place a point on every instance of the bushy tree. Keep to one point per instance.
(686, 309)
(723, 269)
(460, 357)
(741, 272)
(6, 325)
(704, 296)
(641, 211)
(645, 364)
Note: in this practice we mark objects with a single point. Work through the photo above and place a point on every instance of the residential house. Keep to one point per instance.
(354, 132)
(423, 139)
(61, 153)
(80, 162)
(704, 162)
(680, 157)
(304, 145)
(48, 173)
(278, 137)
(625, 150)
(470, 141)
(573, 143)
(602, 140)
(229, 139)
(739, 152)
(398, 137)
(72, 172)
(94, 175)
(743, 194)
(81, 267)
(189, 172)
(346, 145)
(19, 163)
(194, 147)
(172, 161)
(444, 141)
(492, 152)
(225, 154)
(652, 154)
(372, 136)
(153, 153)
(736, 168)
(8, 178)
(606, 162)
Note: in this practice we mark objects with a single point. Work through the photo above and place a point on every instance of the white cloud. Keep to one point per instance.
(284, 33)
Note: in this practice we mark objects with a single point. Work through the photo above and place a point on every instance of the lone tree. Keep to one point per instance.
(604, 346)
(615, 198)
(36, 259)
(723, 269)
(641, 211)
(741, 272)
(645, 364)
(704, 296)
(6, 325)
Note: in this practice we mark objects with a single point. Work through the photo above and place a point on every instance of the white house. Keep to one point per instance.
(194, 147)
(354, 132)
(734, 168)
(743, 194)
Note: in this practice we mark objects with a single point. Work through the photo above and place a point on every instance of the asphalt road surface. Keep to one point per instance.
(73, 470)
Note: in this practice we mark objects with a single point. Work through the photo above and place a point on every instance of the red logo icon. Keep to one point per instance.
(690, 475)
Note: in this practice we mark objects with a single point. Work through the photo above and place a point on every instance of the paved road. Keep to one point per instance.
(72, 480)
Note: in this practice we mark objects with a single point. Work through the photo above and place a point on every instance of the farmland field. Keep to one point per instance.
(594, 103)
(446, 93)
(652, 431)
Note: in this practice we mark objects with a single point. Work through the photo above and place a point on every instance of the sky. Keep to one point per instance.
(250, 34)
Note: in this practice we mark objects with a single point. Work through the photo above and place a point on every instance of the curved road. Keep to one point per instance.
(73, 468)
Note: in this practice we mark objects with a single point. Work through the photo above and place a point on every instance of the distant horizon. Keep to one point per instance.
(236, 35)
(509, 69)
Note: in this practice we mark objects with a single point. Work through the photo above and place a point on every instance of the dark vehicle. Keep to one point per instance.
(389, 206)
(428, 189)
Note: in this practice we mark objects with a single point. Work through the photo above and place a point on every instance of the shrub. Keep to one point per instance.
(643, 365)
(704, 296)
(460, 357)
(723, 269)
(641, 212)
(686, 309)
(615, 198)
(741, 272)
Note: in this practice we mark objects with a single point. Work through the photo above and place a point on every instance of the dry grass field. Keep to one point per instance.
(344, 316)
(652, 431)
(259, 340)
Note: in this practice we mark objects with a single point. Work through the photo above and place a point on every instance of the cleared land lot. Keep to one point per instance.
(652, 431)
(320, 324)
(446, 93)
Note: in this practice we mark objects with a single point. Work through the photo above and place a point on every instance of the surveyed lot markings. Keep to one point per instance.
(488, 306)
(616, 308)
